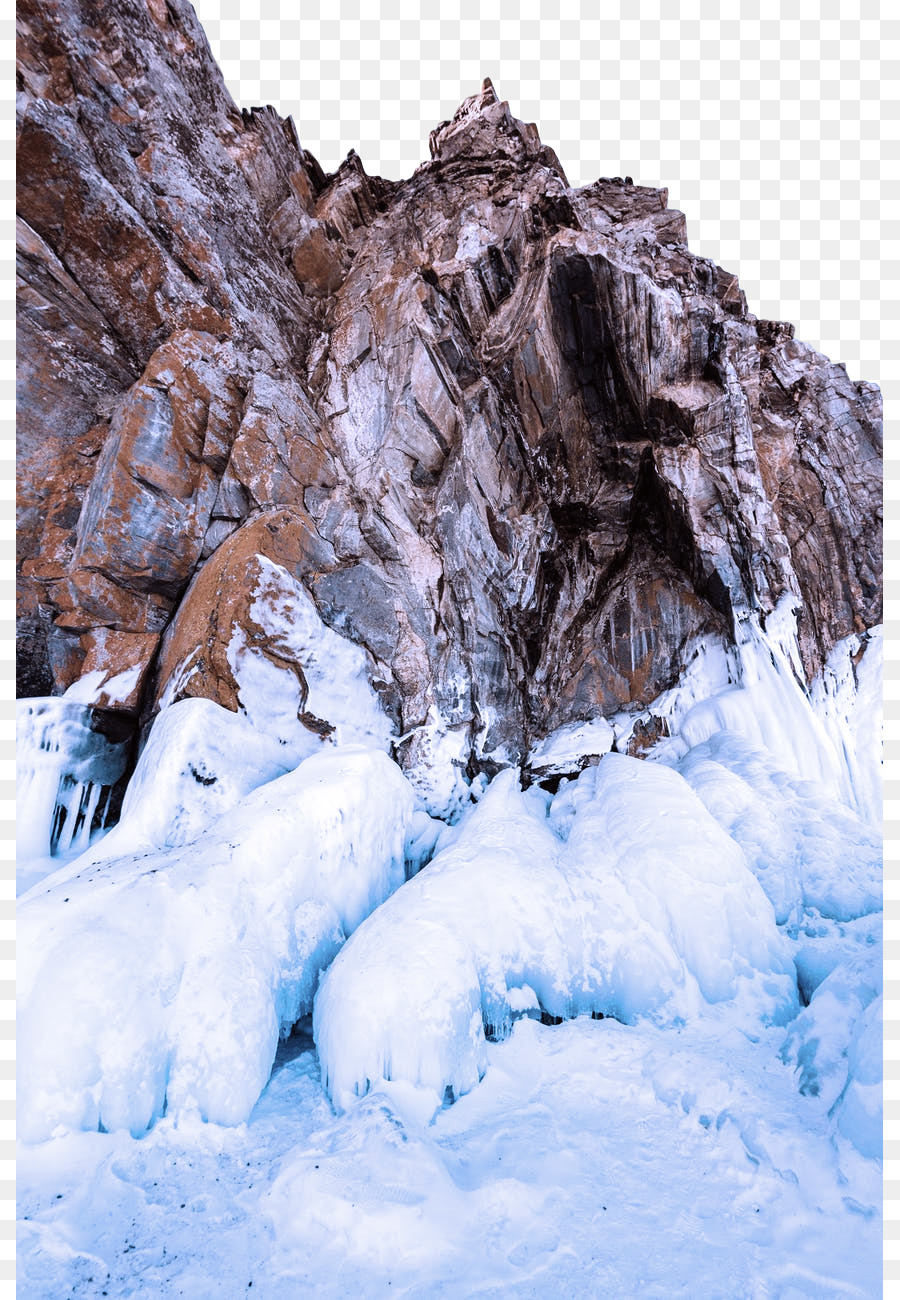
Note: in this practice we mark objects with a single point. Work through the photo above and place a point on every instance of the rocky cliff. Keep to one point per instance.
(511, 437)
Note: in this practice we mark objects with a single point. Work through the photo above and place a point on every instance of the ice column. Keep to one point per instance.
(65, 773)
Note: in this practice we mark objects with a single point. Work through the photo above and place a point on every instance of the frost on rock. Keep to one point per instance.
(164, 980)
(627, 900)
(65, 770)
(434, 760)
(570, 747)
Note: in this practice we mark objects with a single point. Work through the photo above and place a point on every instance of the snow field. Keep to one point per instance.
(594, 1159)
(162, 981)
(627, 900)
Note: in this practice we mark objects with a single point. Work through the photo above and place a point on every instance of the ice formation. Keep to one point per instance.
(828, 732)
(732, 870)
(627, 900)
(250, 848)
(434, 756)
(198, 762)
(66, 770)
(846, 697)
(835, 1046)
(820, 865)
(809, 852)
(163, 980)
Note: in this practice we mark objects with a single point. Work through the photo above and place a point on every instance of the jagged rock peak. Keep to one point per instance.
(513, 439)
(483, 126)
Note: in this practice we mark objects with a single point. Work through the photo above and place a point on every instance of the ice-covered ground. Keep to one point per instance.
(714, 1132)
(594, 1159)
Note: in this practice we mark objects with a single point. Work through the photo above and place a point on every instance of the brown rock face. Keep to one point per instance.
(514, 439)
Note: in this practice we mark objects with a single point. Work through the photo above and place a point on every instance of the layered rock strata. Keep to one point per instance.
(512, 437)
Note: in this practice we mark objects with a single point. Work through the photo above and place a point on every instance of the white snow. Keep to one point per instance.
(89, 688)
(334, 668)
(564, 747)
(629, 901)
(166, 978)
(595, 1159)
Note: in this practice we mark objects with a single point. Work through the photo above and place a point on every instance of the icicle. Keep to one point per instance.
(63, 767)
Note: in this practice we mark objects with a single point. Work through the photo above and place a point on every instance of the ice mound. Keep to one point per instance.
(835, 1047)
(665, 878)
(163, 980)
(807, 850)
(198, 762)
(627, 900)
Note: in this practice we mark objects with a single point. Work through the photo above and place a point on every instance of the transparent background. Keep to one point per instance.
(771, 130)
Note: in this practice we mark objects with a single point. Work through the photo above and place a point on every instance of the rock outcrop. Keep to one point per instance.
(513, 437)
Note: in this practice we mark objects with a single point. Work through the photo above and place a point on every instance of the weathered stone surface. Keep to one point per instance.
(514, 438)
(123, 659)
(194, 658)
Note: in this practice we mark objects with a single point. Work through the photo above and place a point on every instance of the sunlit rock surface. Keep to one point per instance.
(511, 438)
